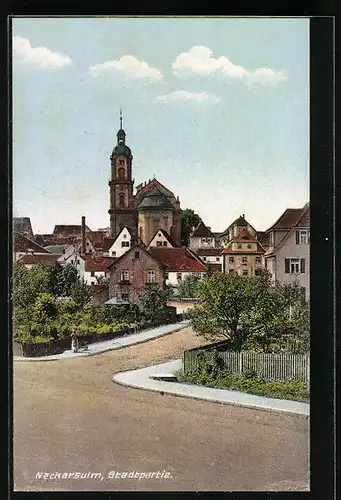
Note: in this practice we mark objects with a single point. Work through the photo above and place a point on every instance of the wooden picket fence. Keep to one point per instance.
(270, 366)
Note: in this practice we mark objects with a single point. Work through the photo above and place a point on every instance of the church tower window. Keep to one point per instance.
(121, 173)
(121, 200)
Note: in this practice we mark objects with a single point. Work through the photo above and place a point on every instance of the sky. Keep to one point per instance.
(216, 109)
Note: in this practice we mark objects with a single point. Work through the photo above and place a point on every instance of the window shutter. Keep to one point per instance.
(287, 265)
(297, 237)
(302, 265)
(156, 276)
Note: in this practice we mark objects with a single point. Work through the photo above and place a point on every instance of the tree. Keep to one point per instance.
(225, 301)
(153, 304)
(252, 313)
(188, 288)
(189, 220)
(67, 279)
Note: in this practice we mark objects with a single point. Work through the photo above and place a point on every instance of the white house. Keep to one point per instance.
(162, 239)
(96, 269)
(212, 256)
(121, 244)
(202, 237)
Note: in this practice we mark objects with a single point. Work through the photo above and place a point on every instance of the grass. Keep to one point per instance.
(294, 390)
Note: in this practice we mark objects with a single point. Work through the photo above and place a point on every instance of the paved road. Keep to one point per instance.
(70, 417)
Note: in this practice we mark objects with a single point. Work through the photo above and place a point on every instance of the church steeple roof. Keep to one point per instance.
(121, 148)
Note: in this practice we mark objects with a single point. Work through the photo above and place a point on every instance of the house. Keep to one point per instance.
(235, 228)
(213, 257)
(73, 257)
(121, 244)
(162, 239)
(202, 237)
(96, 268)
(132, 273)
(73, 249)
(69, 230)
(244, 255)
(34, 259)
(23, 226)
(287, 258)
(23, 246)
(179, 263)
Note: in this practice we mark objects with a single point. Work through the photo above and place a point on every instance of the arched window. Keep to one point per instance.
(121, 173)
(121, 200)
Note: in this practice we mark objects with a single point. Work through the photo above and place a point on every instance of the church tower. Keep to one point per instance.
(122, 211)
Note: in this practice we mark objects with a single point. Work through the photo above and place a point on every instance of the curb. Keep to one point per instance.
(167, 386)
(88, 354)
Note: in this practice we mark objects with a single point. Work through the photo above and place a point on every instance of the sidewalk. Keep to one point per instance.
(141, 379)
(109, 345)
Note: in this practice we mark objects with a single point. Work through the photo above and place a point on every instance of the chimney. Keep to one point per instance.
(243, 215)
(83, 236)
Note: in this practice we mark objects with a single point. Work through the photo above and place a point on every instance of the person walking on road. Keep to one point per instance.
(74, 341)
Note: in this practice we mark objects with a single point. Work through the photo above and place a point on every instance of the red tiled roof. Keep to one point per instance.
(202, 231)
(69, 228)
(36, 258)
(23, 244)
(302, 221)
(178, 259)
(242, 237)
(288, 219)
(107, 242)
(94, 263)
(240, 221)
(209, 252)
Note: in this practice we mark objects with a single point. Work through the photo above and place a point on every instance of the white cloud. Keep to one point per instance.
(184, 95)
(200, 60)
(130, 66)
(40, 57)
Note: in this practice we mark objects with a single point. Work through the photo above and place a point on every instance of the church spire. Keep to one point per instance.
(121, 135)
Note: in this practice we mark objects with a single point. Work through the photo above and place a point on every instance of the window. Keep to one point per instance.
(92, 282)
(164, 243)
(231, 260)
(125, 275)
(121, 200)
(204, 258)
(244, 260)
(258, 260)
(121, 162)
(245, 273)
(217, 259)
(113, 254)
(150, 276)
(159, 243)
(92, 274)
(249, 245)
(239, 246)
(90, 251)
(78, 262)
(71, 261)
(166, 275)
(231, 271)
(124, 244)
(294, 266)
(302, 237)
(124, 236)
(179, 276)
(125, 296)
(137, 255)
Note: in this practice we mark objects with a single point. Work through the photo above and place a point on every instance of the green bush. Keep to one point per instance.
(211, 373)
